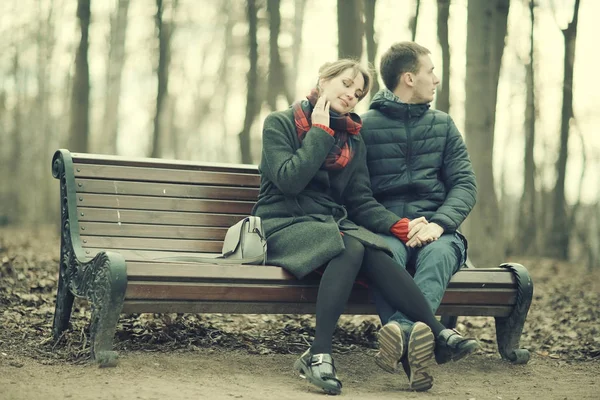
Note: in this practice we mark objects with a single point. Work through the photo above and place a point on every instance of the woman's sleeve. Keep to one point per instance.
(288, 167)
(362, 207)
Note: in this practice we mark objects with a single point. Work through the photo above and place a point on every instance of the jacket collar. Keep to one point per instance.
(389, 104)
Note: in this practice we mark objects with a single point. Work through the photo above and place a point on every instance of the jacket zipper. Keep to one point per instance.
(408, 151)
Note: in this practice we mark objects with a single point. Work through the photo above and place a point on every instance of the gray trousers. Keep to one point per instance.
(434, 264)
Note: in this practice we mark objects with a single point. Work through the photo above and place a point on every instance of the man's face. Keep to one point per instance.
(424, 81)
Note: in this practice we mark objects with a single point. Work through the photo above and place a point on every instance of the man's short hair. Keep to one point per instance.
(400, 58)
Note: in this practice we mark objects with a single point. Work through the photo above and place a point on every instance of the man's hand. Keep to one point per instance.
(427, 234)
(414, 227)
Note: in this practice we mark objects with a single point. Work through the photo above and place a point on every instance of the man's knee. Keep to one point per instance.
(446, 253)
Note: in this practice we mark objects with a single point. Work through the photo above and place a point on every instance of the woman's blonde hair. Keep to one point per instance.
(332, 69)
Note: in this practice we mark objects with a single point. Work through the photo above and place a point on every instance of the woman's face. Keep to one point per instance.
(343, 91)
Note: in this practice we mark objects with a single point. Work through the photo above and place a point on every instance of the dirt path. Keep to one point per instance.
(206, 374)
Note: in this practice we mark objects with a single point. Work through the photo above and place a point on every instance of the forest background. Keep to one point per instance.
(194, 79)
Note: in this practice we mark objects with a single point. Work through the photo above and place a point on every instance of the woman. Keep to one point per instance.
(318, 210)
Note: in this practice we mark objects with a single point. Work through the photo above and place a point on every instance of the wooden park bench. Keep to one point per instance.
(120, 216)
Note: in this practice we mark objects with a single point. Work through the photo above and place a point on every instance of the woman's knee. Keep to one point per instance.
(354, 248)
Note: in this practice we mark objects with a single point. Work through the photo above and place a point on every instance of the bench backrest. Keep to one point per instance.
(148, 209)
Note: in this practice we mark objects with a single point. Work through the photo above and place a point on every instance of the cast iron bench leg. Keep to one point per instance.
(102, 281)
(64, 305)
(509, 329)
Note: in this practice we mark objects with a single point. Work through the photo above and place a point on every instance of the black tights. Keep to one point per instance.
(394, 283)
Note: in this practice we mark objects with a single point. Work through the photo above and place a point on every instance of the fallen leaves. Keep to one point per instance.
(562, 322)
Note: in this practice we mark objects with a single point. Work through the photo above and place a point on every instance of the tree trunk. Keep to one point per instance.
(300, 5)
(163, 79)
(350, 28)
(14, 206)
(114, 69)
(412, 24)
(80, 120)
(371, 42)
(442, 102)
(224, 84)
(557, 245)
(486, 31)
(527, 223)
(252, 98)
(277, 82)
(45, 205)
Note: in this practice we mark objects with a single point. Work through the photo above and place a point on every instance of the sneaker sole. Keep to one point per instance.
(420, 356)
(391, 348)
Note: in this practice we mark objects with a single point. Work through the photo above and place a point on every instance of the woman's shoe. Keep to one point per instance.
(319, 370)
(451, 345)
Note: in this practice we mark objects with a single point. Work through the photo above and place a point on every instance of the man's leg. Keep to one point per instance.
(435, 264)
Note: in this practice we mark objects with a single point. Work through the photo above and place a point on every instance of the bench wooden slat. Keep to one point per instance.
(156, 175)
(156, 217)
(165, 190)
(149, 256)
(87, 158)
(195, 272)
(151, 231)
(164, 203)
(115, 243)
(285, 293)
(207, 307)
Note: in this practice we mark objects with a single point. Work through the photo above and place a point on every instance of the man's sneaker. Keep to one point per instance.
(391, 346)
(419, 356)
(451, 345)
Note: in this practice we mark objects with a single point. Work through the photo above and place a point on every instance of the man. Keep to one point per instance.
(419, 169)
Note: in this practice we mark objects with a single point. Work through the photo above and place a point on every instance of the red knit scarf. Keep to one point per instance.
(345, 127)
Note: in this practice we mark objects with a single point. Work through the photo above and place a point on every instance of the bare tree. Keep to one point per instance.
(486, 32)
(80, 119)
(527, 222)
(163, 77)
(252, 98)
(412, 24)
(442, 101)
(350, 28)
(43, 205)
(299, 6)
(558, 235)
(277, 82)
(114, 69)
(371, 41)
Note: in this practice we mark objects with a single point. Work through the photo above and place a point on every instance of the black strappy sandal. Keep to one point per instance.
(451, 345)
(319, 370)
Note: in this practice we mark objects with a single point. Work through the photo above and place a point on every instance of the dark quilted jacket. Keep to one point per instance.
(418, 161)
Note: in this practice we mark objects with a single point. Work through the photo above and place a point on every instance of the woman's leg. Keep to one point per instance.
(334, 291)
(399, 288)
(316, 364)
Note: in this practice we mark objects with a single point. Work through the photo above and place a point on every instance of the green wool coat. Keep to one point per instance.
(304, 207)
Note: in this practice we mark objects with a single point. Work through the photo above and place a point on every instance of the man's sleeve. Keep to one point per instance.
(459, 179)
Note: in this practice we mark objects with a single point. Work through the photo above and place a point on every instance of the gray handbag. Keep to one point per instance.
(244, 243)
